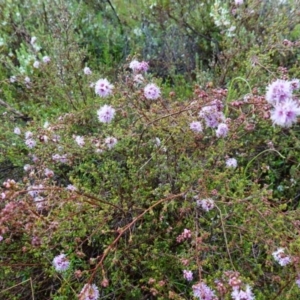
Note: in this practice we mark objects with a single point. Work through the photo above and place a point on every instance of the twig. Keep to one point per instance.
(225, 238)
(18, 113)
(128, 226)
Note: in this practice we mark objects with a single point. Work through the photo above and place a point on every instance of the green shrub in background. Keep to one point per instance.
(146, 201)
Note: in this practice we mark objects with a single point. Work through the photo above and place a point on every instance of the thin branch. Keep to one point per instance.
(13, 110)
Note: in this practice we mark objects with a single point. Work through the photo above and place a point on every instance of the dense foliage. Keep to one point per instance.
(149, 149)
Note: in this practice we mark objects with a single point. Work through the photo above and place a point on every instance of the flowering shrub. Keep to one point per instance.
(119, 188)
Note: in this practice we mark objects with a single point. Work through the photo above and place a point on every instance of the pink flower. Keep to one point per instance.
(106, 114)
(298, 280)
(285, 113)
(13, 79)
(196, 126)
(137, 66)
(282, 258)
(203, 292)
(110, 142)
(134, 65)
(103, 88)
(222, 130)
(89, 292)
(151, 91)
(278, 91)
(242, 295)
(27, 168)
(35, 190)
(71, 188)
(186, 234)
(46, 59)
(36, 64)
(206, 204)
(138, 78)
(17, 130)
(28, 134)
(87, 71)
(61, 263)
(231, 163)
(295, 84)
(188, 275)
(238, 2)
(79, 140)
(39, 202)
(60, 158)
(30, 143)
(48, 173)
(143, 66)
(211, 115)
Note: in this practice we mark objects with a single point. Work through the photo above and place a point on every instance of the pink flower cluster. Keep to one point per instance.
(110, 142)
(282, 258)
(213, 117)
(151, 91)
(196, 126)
(89, 292)
(206, 204)
(139, 67)
(231, 163)
(186, 234)
(29, 141)
(103, 88)
(202, 291)
(238, 294)
(61, 263)
(285, 108)
(212, 114)
(106, 113)
(188, 275)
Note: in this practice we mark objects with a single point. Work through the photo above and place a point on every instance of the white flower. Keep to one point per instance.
(157, 142)
(33, 40)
